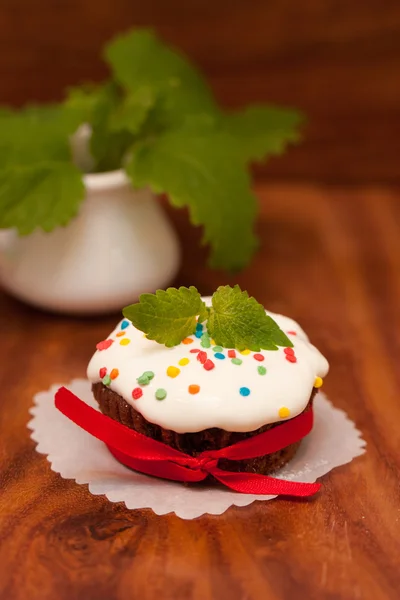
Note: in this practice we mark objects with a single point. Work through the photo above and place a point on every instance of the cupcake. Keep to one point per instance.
(201, 374)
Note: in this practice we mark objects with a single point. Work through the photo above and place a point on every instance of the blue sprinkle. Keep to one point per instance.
(198, 334)
(199, 327)
(219, 355)
(124, 324)
(244, 391)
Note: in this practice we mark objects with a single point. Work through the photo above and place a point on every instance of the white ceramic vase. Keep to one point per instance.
(120, 245)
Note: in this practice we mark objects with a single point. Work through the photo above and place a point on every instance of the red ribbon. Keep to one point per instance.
(146, 455)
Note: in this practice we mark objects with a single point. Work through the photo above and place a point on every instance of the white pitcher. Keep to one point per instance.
(120, 245)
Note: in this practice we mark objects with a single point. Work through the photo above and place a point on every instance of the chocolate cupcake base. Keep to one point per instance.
(114, 406)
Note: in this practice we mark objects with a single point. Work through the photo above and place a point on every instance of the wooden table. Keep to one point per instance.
(331, 259)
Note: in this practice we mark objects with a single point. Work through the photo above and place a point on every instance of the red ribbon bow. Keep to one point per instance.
(146, 455)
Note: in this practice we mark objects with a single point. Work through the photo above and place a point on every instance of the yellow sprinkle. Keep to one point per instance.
(183, 362)
(120, 333)
(125, 342)
(245, 352)
(318, 382)
(173, 371)
(284, 412)
(145, 335)
(213, 343)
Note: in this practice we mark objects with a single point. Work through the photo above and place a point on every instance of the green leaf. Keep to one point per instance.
(168, 316)
(201, 170)
(239, 321)
(261, 131)
(132, 111)
(139, 60)
(36, 134)
(40, 195)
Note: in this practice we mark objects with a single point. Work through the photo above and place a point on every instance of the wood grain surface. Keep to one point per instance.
(337, 60)
(329, 258)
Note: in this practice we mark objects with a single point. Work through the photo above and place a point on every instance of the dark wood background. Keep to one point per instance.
(329, 257)
(338, 60)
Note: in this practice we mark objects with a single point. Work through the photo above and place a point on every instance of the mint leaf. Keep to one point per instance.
(132, 111)
(239, 321)
(261, 131)
(167, 316)
(201, 170)
(36, 134)
(41, 195)
(113, 120)
(140, 60)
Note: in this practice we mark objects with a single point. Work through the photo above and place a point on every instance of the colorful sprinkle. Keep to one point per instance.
(212, 342)
(121, 333)
(183, 362)
(194, 388)
(202, 357)
(195, 351)
(284, 412)
(244, 391)
(292, 332)
(102, 372)
(318, 382)
(173, 372)
(114, 373)
(161, 394)
(205, 341)
(104, 344)
(125, 342)
(289, 351)
(245, 352)
(209, 365)
(231, 353)
(291, 358)
(261, 370)
(217, 349)
(149, 375)
(219, 355)
(106, 380)
(137, 393)
(259, 357)
(199, 327)
(143, 380)
(236, 361)
(124, 324)
(198, 334)
(187, 341)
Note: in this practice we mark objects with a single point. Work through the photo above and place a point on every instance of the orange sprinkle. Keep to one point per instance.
(120, 333)
(187, 341)
(114, 374)
(194, 388)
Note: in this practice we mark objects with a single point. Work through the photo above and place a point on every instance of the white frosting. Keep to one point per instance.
(283, 392)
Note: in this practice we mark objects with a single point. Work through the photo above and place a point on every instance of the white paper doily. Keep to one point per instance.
(75, 454)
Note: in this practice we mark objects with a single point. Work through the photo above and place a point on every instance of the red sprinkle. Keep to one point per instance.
(208, 365)
(103, 372)
(291, 358)
(104, 344)
(202, 357)
(292, 333)
(137, 393)
(195, 351)
(259, 357)
(231, 354)
(289, 351)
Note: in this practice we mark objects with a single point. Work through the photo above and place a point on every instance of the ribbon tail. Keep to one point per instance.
(253, 483)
